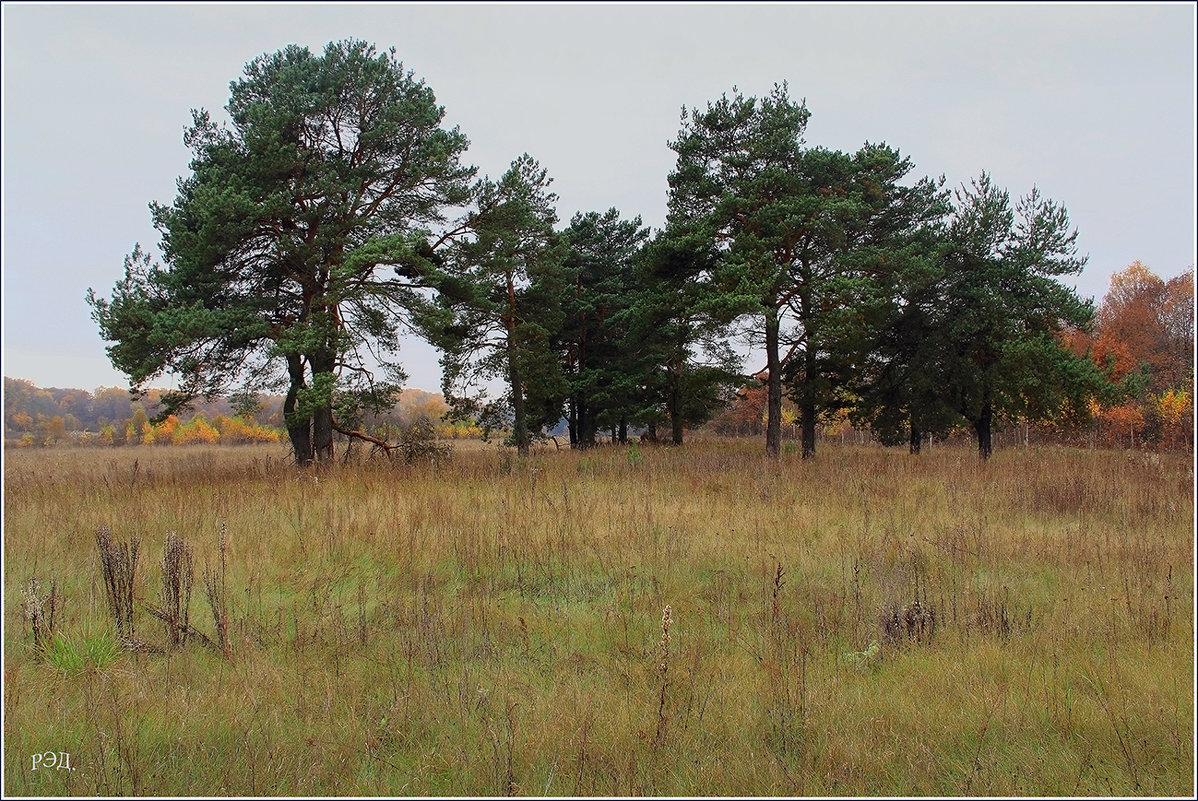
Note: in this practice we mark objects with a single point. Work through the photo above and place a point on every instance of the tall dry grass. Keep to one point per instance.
(622, 621)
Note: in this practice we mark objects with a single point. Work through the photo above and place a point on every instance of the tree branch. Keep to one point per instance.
(378, 443)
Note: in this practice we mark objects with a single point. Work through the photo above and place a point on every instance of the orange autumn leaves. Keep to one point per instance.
(1144, 331)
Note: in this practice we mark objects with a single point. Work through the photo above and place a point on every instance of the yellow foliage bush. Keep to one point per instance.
(237, 431)
(197, 431)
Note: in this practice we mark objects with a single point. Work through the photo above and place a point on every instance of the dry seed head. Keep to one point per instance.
(33, 602)
(666, 621)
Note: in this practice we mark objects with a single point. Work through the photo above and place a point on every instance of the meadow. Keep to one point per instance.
(620, 621)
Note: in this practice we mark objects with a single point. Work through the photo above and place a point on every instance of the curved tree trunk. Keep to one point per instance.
(322, 434)
(299, 428)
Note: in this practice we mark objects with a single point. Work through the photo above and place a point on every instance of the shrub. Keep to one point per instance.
(419, 443)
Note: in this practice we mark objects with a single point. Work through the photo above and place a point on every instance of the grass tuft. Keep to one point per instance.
(76, 657)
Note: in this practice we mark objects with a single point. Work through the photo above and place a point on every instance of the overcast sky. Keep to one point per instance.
(1095, 104)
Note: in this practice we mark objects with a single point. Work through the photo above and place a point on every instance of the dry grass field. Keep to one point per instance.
(623, 621)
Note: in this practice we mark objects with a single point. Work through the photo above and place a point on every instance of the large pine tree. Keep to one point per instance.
(296, 246)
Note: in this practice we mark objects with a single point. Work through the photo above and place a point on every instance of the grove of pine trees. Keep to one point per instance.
(334, 212)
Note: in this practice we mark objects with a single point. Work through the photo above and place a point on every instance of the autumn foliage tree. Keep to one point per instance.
(1144, 335)
(1147, 324)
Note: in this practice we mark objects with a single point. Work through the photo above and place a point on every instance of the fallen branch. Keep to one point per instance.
(386, 447)
(185, 628)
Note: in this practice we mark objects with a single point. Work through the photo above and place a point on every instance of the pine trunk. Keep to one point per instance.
(982, 427)
(322, 415)
(520, 432)
(807, 410)
(773, 419)
(299, 428)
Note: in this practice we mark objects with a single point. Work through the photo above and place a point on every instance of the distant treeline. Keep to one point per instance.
(114, 416)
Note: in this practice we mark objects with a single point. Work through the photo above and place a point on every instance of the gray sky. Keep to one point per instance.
(1095, 104)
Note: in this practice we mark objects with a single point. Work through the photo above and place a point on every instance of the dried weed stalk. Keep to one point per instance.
(218, 601)
(663, 650)
(913, 622)
(119, 564)
(40, 611)
(178, 575)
